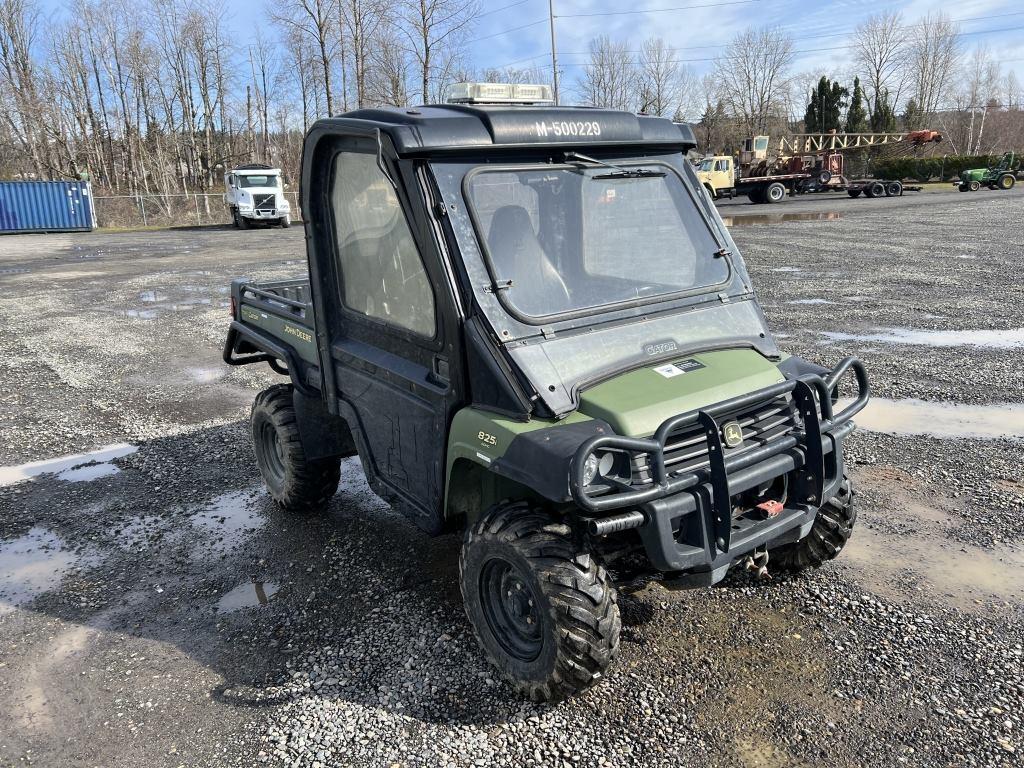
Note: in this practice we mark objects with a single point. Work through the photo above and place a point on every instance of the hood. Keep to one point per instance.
(637, 402)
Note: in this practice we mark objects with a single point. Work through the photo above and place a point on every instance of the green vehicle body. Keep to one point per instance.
(1002, 175)
(634, 404)
(531, 324)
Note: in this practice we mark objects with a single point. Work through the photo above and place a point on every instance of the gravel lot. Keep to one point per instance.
(156, 610)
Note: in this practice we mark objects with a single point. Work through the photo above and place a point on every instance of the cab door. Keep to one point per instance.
(394, 335)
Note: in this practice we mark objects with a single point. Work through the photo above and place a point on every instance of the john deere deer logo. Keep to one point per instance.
(733, 434)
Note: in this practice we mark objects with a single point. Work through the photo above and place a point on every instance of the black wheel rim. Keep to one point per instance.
(272, 453)
(511, 609)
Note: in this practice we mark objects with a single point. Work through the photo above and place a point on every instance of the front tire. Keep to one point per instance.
(285, 222)
(974, 186)
(542, 608)
(296, 483)
(832, 528)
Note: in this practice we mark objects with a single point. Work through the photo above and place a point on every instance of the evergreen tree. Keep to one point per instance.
(857, 114)
(913, 116)
(883, 116)
(824, 110)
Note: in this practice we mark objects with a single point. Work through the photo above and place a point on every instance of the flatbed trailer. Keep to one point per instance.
(771, 189)
(879, 188)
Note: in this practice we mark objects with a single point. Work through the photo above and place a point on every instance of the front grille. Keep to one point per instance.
(264, 202)
(686, 450)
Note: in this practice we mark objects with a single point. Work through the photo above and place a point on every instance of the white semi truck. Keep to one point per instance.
(255, 193)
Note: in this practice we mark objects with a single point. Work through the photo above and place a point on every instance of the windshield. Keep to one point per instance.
(566, 239)
(706, 164)
(256, 181)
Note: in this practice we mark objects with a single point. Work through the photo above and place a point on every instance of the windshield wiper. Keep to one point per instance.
(619, 171)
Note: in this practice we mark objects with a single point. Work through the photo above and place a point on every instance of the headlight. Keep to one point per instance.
(605, 464)
(245, 206)
(283, 206)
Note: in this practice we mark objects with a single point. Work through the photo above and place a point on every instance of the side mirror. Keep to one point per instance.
(286, 186)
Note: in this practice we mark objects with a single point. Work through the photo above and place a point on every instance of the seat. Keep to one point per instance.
(537, 288)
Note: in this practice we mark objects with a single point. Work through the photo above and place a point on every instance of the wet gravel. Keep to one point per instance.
(117, 647)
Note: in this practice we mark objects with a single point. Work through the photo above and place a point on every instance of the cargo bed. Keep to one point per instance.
(274, 324)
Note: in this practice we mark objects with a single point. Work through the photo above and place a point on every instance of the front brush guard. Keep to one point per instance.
(811, 394)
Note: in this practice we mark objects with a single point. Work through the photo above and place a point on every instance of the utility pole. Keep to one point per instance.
(554, 53)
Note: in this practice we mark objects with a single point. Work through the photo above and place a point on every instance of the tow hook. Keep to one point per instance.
(758, 562)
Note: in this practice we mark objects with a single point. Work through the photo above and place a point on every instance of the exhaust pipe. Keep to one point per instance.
(616, 523)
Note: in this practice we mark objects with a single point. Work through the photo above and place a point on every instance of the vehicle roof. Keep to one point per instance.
(255, 169)
(448, 128)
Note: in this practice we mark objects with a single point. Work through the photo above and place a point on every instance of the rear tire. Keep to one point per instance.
(775, 192)
(1006, 181)
(853, 192)
(893, 189)
(296, 483)
(875, 189)
(543, 609)
(832, 528)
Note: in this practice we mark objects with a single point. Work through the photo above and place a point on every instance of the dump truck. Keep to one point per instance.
(532, 327)
(1002, 175)
(255, 193)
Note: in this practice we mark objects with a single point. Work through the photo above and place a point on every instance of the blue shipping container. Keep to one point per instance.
(45, 206)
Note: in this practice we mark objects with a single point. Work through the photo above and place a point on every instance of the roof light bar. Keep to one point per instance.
(500, 93)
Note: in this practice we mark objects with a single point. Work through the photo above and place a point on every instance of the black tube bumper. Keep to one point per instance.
(687, 521)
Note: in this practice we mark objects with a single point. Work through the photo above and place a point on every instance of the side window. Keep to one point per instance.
(721, 165)
(381, 270)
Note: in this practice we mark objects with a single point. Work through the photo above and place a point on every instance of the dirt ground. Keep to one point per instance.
(156, 610)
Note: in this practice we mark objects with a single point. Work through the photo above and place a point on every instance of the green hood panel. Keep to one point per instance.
(636, 403)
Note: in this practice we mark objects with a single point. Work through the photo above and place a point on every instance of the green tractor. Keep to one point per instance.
(1001, 176)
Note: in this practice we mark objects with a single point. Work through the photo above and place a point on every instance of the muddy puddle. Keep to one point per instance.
(757, 219)
(65, 466)
(993, 339)
(230, 519)
(910, 563)
(946, 420)
(180, 298)
(248, 595)
(901, 547)
(32, 564)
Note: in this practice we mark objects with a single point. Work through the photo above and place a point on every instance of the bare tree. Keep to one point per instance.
(977, 94)
(664, 83)
(1012, 91)
(879, 55)
(933, 54)
(391, 74)
(433, 29)
(610, 79)
(362, 20)
(19, 26)
(316, 20)
(754, 76)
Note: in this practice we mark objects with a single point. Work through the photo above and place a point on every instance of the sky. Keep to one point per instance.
(820, 29)
(516, 32)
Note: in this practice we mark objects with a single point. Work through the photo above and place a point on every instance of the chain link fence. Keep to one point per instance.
(183, 210)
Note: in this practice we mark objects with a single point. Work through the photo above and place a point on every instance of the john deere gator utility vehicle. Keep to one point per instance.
(530, 324)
